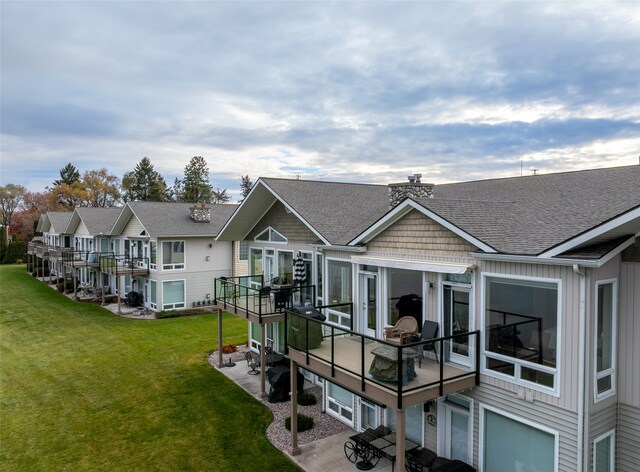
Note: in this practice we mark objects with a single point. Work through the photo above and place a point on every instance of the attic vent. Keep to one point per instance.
(142, 233)
(413, 188)
(200, 213)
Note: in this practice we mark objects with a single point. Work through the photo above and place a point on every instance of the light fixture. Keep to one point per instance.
(208, 258)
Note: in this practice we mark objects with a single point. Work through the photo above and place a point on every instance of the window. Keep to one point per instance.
(153, 249)
(285, 266)
(173, 294)
(339, 290)
(116, 247)
(104, 245)
(605, 339)
(413, 422)
(340, 403)
(153, 302)
(512, 444)
(319, 271)
(243, 250)
(172, 255)
(604, 453)
(270, 235)
(404, 295)
(521, 325)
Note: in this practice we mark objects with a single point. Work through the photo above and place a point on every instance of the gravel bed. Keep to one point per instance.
(324, 425)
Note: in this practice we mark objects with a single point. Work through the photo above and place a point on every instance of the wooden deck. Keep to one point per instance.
(351, 370)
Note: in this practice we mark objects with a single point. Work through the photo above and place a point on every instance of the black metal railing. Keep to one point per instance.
(388, 365)
(123, 264)
(248, 295)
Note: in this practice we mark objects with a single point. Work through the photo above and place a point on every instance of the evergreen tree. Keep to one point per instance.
(174, 193)
(219, 195)
(245, 186)
(68, 175)
(144, 184)
(196, 186)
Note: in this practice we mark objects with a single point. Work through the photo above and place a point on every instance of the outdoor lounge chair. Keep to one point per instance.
(429, 331)
(404, 328)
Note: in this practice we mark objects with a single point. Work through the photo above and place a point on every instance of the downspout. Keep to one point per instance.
(581, 365)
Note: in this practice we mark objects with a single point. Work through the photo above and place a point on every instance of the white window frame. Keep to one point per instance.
(612, 371)
(441, 425)
(270, 239)
(519, 363)
(531, 424)
(153, 266)
(343, 320)
(175, 306)
(178, 266)
(153, 303)
(611, 435)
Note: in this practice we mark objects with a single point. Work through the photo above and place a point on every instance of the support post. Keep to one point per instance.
(75, 282)
(118, 290)
(294, 449)
(263, 361)
(220, 362)
(400, 437)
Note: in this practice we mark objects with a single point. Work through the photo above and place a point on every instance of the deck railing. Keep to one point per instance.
(248, 295)
(123, 264)
(322, 341)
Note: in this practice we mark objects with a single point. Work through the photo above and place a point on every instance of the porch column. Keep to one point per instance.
(400, 437)
(42, 267)
(50, 271)
(220, 362)
(102, 285)
(263, 358)
(75, 282)
(294, 450)
(118, 290)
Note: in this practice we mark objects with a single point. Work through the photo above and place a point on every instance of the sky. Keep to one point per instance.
(366, 91)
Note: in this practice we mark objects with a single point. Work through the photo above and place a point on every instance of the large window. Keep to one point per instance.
(605, 339)
(285, 267)
(173, 294)
(153, 302)
(172, 255)
(521, 328)
(413, 422)
(153, 249)
(340, 403)
(404, 295)
(339, 290)
(604, 453)
(516, 445)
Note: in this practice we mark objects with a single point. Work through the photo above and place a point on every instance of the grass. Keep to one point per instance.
(83, 389)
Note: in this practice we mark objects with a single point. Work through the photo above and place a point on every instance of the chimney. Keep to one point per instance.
(413, 188)
(200, 213)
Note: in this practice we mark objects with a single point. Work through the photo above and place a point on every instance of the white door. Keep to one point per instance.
(457, 433)
(368, 417)
(369, 304)
(457, 320)
(269, 265)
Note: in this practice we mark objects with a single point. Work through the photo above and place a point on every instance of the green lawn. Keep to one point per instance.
(83, 389)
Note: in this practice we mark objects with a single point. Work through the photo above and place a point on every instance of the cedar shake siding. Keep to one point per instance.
(284, 223)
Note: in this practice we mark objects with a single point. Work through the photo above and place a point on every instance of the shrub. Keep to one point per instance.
(229, 348)
(60, 288)
(307, 399)
(305, 423)
(177, 313)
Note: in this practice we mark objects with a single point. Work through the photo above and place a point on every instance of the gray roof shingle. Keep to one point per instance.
(59, 220)
(98, 220)
(172, 219)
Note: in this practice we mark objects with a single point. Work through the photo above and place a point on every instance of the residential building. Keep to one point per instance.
(532, 282)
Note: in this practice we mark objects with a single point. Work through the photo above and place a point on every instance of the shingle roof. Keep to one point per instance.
(172, 219)
(98, 220)
(528, 215)
(338, 211)
(59, 220)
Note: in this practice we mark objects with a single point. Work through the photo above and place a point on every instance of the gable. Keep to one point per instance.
(285, 223)
(415, 233)
(133, 228)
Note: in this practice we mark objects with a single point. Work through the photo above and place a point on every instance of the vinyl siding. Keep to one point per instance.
(628, 438)
(414, 233)
(601, 422)
(285, 223)
(629, 334)
(558, 419)
(133, 228)
(82, 230)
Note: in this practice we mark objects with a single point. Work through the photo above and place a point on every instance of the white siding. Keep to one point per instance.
(133, 228)
(629, 334)
(628, 439)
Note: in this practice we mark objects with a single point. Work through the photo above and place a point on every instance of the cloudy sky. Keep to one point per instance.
(351, 91)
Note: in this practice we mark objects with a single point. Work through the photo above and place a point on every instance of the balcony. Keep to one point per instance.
(84, 258)
(123, 265)
(371, 367)
(246, 296)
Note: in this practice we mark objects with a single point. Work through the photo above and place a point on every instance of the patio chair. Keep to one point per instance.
(253, 363)
(429, 331)
(404, 328)
(265, 294)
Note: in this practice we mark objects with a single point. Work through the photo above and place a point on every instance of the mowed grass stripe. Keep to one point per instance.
(83, 389)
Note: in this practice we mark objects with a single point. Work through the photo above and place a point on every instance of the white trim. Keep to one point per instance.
(518, 419)
(162, 264)
(404, 208)
(612, 450)
(441, 429)
(516, 378)
(612, 371)
(593, 233)
(270, 230)
(184, 294)
(411, 264)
